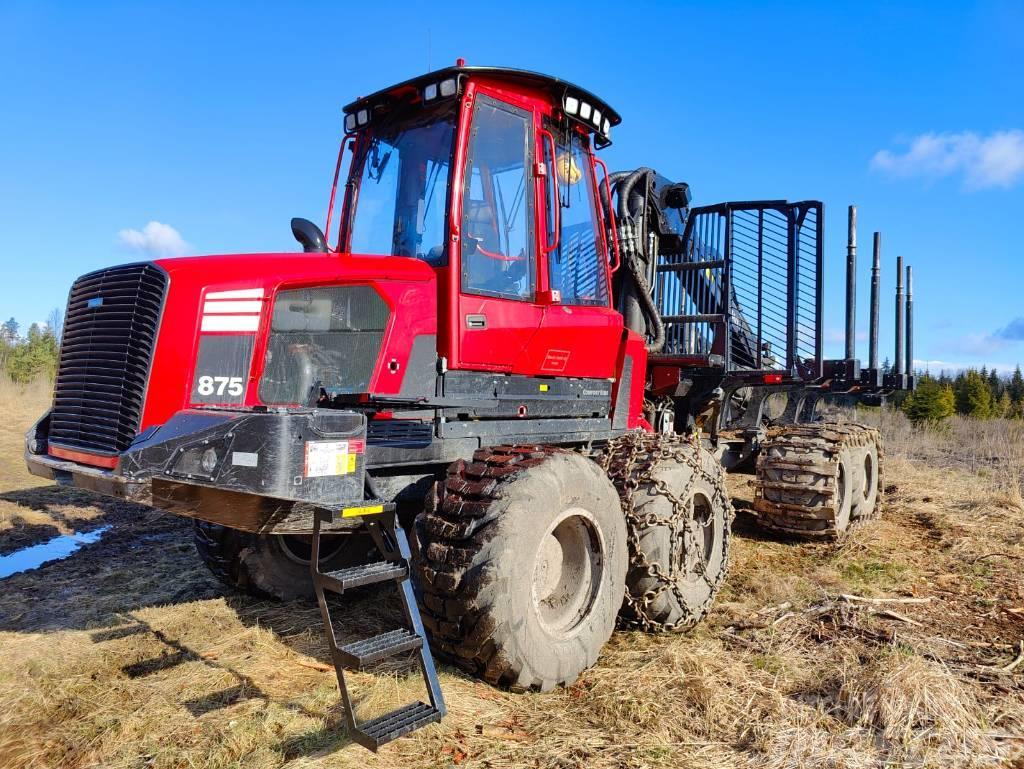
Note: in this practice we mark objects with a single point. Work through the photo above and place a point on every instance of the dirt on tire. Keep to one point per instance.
(479, 565)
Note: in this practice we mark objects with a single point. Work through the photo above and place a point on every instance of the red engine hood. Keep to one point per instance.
(407, 285)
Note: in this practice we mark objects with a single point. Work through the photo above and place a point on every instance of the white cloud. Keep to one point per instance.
(995, 160)
(155, 239)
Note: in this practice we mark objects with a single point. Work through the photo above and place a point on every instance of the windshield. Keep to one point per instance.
(401, 200)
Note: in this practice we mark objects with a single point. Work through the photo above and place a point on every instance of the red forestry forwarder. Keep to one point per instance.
(536, 370)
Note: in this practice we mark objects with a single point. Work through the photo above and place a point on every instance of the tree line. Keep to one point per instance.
(981, 394)
(34, 354)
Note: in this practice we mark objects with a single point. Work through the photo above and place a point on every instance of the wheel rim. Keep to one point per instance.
(841, 489)
(697, 540)
(298, 548)
(567, 572)
(869, 473)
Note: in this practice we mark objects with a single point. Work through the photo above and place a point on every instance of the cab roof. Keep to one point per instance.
(577, 103)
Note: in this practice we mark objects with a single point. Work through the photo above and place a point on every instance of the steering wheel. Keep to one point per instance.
(492, 254)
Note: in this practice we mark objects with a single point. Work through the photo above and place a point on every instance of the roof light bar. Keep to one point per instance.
(445, 88)
(574, 107)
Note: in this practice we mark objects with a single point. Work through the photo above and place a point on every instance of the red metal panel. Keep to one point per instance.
(407, 285)
(587, 337)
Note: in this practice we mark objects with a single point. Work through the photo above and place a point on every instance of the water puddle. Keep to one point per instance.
(52, 550)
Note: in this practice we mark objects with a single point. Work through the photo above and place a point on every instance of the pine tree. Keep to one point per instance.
(1016, 387)
(974, 399)
(34, 358)
(995, 384)
(1004, 406)
(9, 331)
(930, 402)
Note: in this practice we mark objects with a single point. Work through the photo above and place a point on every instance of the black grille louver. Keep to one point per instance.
(110, 328)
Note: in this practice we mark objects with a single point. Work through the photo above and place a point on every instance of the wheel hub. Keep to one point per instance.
(696, 540)
(567, 572)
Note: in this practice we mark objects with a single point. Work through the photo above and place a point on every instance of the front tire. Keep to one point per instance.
(272, 565)
(522, 565)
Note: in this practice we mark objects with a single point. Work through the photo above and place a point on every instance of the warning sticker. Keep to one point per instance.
(329, 458)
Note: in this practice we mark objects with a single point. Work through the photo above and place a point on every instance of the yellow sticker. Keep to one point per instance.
(544, 388)
(353, 512)
(351, 463)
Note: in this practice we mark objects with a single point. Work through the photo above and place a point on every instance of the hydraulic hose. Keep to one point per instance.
(632, 206)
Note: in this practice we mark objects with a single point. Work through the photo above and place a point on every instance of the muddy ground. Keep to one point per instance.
(129, 654)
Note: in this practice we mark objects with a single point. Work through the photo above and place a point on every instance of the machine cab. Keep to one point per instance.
(489, 176)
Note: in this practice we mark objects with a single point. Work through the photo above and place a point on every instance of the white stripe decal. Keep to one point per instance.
(241, 293)
(230, 322)
(224, 308)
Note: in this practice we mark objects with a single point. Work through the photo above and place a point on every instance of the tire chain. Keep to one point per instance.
(630, 462)
(827, 438)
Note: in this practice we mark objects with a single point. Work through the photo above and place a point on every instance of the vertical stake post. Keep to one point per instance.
(851, 283)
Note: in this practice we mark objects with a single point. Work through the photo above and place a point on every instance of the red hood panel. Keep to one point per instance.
(407, 285)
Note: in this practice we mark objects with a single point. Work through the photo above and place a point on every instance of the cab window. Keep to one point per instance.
(402, 191)
(576, 269)
(497, 204)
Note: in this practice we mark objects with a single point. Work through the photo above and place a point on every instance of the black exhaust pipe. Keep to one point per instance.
(910, 322)
(876, 270)
(900, 312)
(851, 283)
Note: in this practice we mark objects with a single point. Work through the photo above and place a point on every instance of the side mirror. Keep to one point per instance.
(310, 237)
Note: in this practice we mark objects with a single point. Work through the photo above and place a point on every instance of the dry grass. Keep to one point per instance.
(29, 513)
(128, 654)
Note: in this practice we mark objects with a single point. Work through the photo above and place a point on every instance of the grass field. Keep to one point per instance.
(128, 654)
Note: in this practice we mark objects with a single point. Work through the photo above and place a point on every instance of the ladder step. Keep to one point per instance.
(359, 654)
(364, 574)
(408, 718)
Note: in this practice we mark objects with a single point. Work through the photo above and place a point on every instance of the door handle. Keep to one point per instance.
(476, 321)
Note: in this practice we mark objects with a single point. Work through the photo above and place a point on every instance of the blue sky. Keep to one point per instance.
(222, 123)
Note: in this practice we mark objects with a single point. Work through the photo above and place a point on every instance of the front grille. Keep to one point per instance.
(109, 331)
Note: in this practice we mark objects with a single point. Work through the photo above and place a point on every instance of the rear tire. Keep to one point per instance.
(521, 565)
(678, 558)
(272, 565)
(813, 479)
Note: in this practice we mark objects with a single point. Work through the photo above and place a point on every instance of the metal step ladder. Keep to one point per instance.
(394, 567)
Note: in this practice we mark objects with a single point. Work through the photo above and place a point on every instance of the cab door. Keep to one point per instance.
(580, 333)
(498, 312)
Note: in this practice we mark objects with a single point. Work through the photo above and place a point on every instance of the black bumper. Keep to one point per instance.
(256, 471)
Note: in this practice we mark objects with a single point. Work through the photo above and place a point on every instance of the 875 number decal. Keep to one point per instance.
(219, 385)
